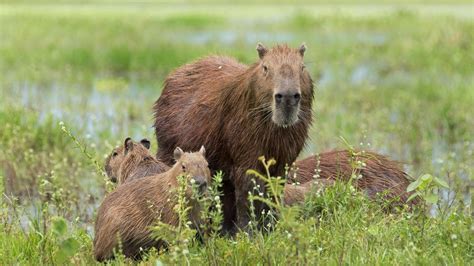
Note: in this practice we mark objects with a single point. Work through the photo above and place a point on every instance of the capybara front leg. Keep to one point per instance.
(243, 212)
(229, 207)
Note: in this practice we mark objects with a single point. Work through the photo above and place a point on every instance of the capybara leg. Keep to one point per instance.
(243, 215)
(242, 186)
(104, 251)
(229, 211)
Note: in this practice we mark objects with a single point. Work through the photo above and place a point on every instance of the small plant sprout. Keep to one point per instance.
(177, 237)
(425, 186)
(90, 157)
(317, 170)
(274, 185)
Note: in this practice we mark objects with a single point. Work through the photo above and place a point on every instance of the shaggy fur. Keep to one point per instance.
(128, 212)
(230, 108)
(123, 165)
(380, 175)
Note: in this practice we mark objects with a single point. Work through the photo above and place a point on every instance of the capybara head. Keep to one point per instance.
(194, 166)
(116, 158)
(283, 82)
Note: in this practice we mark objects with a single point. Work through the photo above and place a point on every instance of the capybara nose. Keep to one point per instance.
(278, 98)
(201, 184)
(289, 98)
(296, 98)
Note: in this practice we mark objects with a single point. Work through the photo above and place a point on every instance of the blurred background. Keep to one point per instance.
(391, 78)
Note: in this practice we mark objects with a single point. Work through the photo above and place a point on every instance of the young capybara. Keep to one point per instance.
(132, 160)
(240, 113)
(293, 193)
(375, 173)
(127, 213)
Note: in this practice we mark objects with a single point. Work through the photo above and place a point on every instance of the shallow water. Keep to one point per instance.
(89, 109)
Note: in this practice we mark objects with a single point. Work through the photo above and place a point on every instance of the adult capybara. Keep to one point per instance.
(127, 213)
(132, 160)
(240, 113)
(375, 173)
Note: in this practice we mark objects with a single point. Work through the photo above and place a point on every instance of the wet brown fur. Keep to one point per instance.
(380, 175)
(293, 193)
(225, 105)
(122, 168)
(129, 211)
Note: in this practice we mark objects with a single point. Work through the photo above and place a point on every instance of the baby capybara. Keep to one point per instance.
(127, 213)
(240, 113)
(132, 160)
(375, 174)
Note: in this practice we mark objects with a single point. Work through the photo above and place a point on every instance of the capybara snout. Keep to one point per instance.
(112, 163)
(201, 183)
(283, 71)
(287, 98)
(195, 166)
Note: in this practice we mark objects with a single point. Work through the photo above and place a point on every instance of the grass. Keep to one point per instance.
(393, 79)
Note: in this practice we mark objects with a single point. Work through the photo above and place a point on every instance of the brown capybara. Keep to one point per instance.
(132, 160)
(375, 174)
(128, 212)
(240, 113)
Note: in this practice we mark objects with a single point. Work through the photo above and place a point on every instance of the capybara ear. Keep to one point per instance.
(261, 50)
(302, 49)
(203, 150)
(128, 144)
(177, 153)
(145, 143)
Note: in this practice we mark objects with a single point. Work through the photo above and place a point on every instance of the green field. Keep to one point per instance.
(395, 79)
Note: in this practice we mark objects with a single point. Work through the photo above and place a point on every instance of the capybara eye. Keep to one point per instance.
(114, 154)
(183, 167)
(265, 68)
